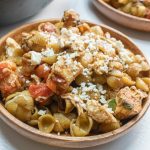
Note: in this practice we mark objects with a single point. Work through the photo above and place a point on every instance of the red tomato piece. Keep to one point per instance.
(51, 85)
(39, 90)
(42, 71)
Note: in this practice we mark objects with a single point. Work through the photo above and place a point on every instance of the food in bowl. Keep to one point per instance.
(72, 78)
(139, 8)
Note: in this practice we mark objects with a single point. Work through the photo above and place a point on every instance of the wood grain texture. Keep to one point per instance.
(68, 141)
(122, 18)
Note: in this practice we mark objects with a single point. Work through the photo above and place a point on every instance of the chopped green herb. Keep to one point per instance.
(112, 104)
(127, 106)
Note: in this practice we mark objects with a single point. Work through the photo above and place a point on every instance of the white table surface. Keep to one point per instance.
(138, 138)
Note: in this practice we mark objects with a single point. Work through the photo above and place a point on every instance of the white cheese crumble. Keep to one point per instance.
(35, 58)
(86, 72)
(53, 39)
(11, 46)
(45, 35)
(74, 91)
(46, 68)
(48, 52)
(42, 112)
(125, 56)
(103, 99)
(104, 68)
(110, 110)
(9, 51)
(101, 89)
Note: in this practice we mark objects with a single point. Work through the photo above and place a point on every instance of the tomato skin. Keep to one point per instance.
(42, 71)
(40, 90)
(7, 89)
(51, 85)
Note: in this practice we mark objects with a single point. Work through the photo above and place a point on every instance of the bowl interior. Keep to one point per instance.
(124, 19)
(122, 13)
(68, 141)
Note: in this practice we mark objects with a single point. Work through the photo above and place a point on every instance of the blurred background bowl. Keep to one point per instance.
(12, 11)
(122, 18)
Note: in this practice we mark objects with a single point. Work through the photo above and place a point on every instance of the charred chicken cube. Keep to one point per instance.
(129, 102)
(64, 71)
(70, 18)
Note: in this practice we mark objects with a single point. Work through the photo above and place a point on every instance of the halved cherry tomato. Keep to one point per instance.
(40, 90)
(42, 71)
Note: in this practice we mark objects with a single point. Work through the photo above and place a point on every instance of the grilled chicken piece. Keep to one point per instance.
(64, 71)
(9, 79)
(70, 18)
(129, 102)
(99, 113)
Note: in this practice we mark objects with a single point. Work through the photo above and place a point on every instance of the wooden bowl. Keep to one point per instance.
(122, 18)
(68, 141)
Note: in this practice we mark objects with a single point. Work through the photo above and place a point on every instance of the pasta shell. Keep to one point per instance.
(46, 123)
(81, 126)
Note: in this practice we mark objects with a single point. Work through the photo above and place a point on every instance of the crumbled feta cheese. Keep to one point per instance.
(125, 56)
(86, 72)
(104, 68)
(119, 45)
(46, 68)
(48, 52)
(110, 110)
(27, 82)
(84, 96)
(9, 51)
(100, 88)
(53, 39)
(45, 35)
(11, 46)
(35, 58)
(103, 99)
(103, 92)
(88, 87)
(42, 112)
(74, 91)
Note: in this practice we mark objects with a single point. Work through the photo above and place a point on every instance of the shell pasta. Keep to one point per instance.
(72, 78)
(139, 8)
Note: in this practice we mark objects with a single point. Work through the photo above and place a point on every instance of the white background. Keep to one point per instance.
(138, 138)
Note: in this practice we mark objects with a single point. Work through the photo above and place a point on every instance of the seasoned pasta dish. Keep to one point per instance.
(72, 78)
(139, 8)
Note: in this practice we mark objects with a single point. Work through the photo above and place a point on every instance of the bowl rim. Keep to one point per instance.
(122, 13)
(17, 124)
